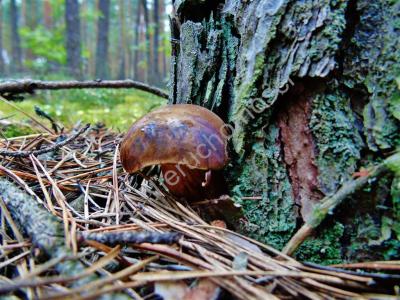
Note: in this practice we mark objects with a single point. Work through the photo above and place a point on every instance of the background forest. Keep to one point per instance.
(91, 39)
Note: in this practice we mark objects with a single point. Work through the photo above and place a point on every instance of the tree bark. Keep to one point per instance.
(73, 38)
(47, 14)
(136, 43)
(102, 67)
(16, 52)
(164, 42)
(156, 37)
(308, 88)
(31, 21)
(147, 41)
(123, 40)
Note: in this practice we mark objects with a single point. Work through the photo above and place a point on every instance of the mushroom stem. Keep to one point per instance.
(193, 184)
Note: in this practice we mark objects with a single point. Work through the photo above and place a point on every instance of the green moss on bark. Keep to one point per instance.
(337, 140)
(324, 247)
(247, 50)
(372, 62)
(273, 218)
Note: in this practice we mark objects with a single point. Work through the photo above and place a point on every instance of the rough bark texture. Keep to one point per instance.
(309, 87)
(102, 68)
(73, 38)
(156, 37)
(147, 38)
(136, 43)
(16, 54)
(122, 41)
(45, 230)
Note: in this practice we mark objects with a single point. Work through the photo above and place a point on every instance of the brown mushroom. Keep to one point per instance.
(189, 142)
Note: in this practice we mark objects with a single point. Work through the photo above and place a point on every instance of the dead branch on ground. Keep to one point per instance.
(11, 89)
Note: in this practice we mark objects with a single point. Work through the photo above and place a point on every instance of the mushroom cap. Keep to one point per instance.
(185, 134)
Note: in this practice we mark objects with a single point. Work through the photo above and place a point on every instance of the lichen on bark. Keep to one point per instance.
(337, 139)
(346, 57)
(273, 218)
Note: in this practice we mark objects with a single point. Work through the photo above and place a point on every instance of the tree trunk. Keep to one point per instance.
(131, 34)
(31, 21)
(164, 43)
(73, 38)
(2, 64)
(48, 14)
(147, 41)
(123, 38)
(16, 53)
(89, 34)
(102, 68)
(309, 89)
(136, 42)
(156, 37)
(32, 16)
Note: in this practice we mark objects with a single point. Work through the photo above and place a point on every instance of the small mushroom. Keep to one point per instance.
(189, 142)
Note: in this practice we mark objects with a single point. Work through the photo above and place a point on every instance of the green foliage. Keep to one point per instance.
(45, 44)
(16, 130)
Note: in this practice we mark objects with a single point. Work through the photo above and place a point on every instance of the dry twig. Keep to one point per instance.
(328, 204)
(12, 88)
(128, 237)
(54, 147)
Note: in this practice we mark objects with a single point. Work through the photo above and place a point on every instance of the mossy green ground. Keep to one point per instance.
(116, 108)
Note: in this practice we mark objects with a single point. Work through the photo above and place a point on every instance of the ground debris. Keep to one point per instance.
(52, 248)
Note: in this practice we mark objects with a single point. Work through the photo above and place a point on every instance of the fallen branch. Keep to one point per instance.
(328, 204)
(12, 88)
(129, 237)
(47, 149)
(45, 231)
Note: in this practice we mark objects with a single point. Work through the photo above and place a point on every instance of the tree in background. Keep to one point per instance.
(47, 14)
(101, 66)
(73, 38)
(16, 52)
(122, 41)
(31, 19)
(156, 39)
(147, 40)
(136, 41)
(118, 39)
(163, 52)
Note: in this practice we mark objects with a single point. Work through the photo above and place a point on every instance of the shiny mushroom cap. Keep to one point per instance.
(176, 134)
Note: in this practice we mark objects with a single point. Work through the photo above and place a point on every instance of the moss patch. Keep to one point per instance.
(336, 137)
(117, 108)
(272, 219)
(324, 247)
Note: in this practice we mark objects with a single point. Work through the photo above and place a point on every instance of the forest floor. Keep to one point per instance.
(75, 225)
(116, 108)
